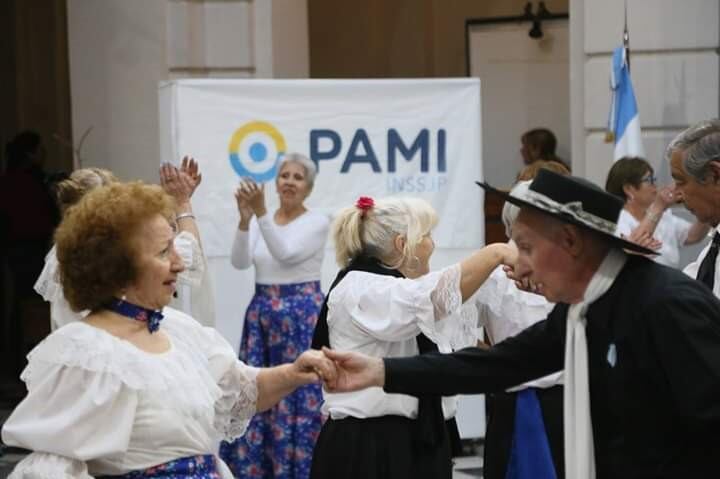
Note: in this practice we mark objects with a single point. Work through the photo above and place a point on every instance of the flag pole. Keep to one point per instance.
(626, 40)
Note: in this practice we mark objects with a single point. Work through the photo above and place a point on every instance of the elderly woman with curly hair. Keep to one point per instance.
(180, 183)
(135, 389)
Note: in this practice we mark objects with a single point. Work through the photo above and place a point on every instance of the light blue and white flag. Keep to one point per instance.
(624, 121)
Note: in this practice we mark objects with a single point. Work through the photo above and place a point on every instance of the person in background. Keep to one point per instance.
(286, 247)
(179, 183)
(694, 158)
(530, 171)
(28, 215)
(540, 144)
(68, 192)
(195, 282)
(646, 209)
(386, 302)
(135, 389)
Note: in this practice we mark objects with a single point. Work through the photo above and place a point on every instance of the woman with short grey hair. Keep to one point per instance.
(286, 248)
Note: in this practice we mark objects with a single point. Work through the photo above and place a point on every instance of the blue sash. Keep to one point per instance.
(530, 456)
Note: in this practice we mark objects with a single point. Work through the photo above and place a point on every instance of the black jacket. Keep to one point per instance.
(655, 413)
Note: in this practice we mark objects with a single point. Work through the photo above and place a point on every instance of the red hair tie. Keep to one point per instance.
(364, 204)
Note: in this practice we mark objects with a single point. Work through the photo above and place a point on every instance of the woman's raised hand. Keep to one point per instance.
(178, 183)
(254, 194)
(243, 206)
(190, 167)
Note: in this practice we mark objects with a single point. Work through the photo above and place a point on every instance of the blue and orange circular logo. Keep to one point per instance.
(255, 150)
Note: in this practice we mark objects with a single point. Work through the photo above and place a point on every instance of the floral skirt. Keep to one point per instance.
(193, 467)
(279, 325)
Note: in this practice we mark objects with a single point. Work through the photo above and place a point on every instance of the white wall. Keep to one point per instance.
(674, 67)
(121, 49)
(524, 86)
(117, 56)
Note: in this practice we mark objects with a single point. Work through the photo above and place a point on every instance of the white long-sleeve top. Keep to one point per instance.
(671, 230)
(98, 405)
(282, 254)
(381, 316)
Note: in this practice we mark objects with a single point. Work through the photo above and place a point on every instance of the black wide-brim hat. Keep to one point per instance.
(573, 200)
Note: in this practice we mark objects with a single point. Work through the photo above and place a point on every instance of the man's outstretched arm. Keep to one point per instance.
(534, 353)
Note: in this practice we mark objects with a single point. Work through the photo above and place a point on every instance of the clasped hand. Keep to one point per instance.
(341, 371)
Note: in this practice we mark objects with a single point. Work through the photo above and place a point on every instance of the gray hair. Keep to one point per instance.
(308, 165)
(510, 211)
(701, 145)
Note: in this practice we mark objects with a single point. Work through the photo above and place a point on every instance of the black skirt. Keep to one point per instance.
(501, 423)
(378, 448)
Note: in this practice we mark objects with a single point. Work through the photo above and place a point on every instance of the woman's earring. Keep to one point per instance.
(417, 263)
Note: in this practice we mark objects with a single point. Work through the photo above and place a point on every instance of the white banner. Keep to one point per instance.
(368, 137)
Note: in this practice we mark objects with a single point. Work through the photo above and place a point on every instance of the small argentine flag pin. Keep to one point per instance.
(612, 355)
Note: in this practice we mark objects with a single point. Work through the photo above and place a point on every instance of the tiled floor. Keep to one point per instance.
(469, 467)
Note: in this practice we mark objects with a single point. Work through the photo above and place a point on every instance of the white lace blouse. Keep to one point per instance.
(97, 405)
(381, 316)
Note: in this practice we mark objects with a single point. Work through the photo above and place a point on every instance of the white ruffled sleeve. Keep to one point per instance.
(48, 286)
(238, 383)
(72, 413)
(43, 465)
(188, 247)
(236, 403)
(397, 309)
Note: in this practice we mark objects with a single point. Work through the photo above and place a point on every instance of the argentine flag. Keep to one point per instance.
(624, 121)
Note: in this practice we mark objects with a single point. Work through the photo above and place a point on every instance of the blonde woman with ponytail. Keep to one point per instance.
(386, 302)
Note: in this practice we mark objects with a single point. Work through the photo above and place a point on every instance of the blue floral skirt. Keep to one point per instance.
(193, 467)
(279, 325)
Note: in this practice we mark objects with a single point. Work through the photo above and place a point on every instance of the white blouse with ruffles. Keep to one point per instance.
(381, 316)
(98, 405)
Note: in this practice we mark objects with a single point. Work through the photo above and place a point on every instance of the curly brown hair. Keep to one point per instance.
(95, 241)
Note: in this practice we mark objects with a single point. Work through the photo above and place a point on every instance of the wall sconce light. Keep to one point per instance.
(536, 18)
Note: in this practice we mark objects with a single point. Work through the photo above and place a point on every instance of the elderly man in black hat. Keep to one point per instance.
(639, 344)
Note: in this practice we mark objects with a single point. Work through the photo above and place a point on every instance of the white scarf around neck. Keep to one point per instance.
(579, 444)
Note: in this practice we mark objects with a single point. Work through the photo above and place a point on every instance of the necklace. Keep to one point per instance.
(138, 313)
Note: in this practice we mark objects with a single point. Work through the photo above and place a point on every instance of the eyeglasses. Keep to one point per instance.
(652, 180)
